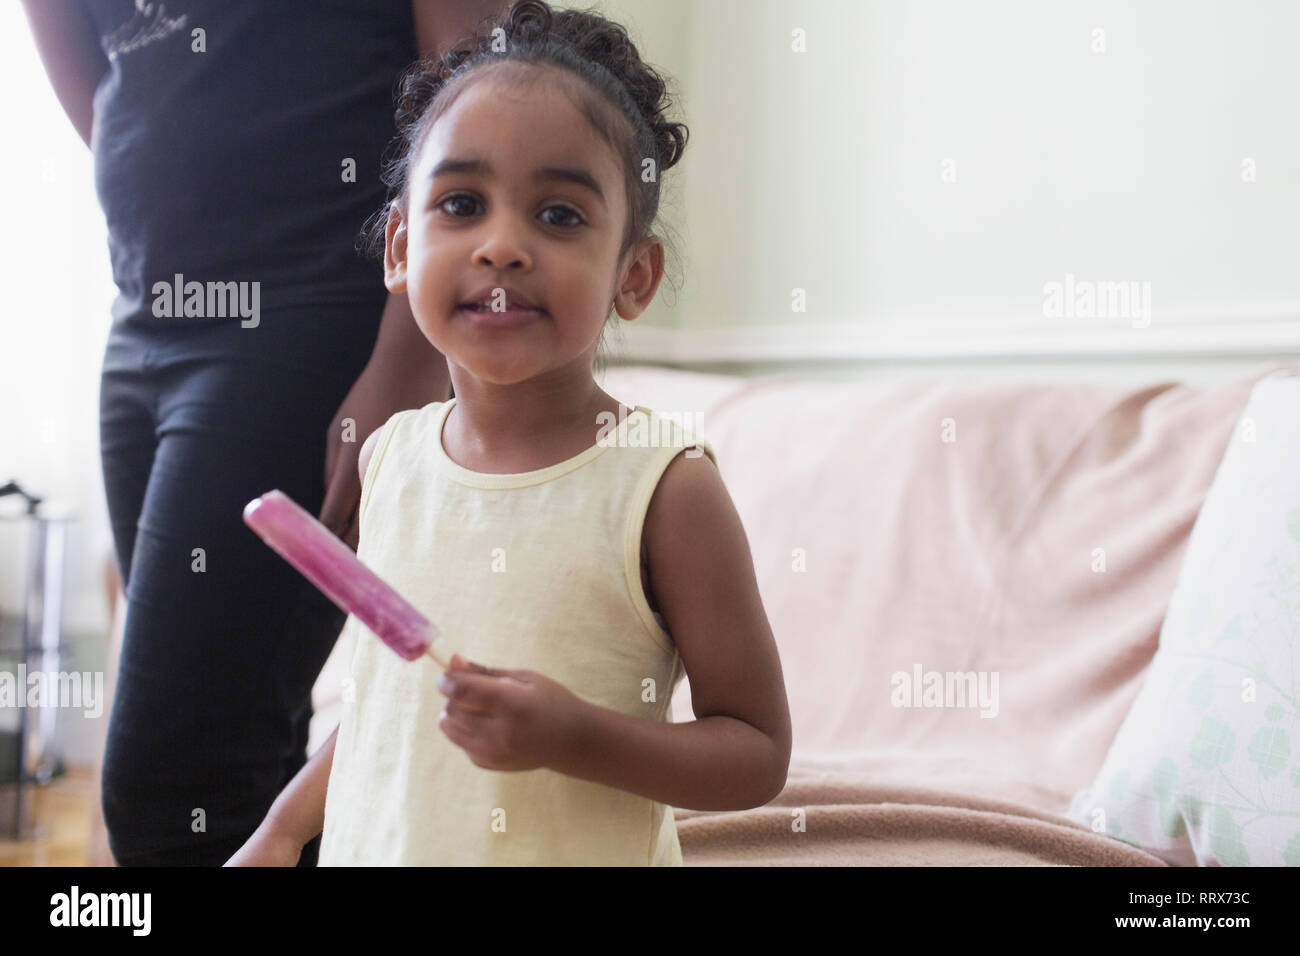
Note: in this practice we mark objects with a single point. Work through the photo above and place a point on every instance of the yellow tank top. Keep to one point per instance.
(538, 570)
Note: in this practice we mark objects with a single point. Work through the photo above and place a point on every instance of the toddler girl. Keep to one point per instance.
(550, 532)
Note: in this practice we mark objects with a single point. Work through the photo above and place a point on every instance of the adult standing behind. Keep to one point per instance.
(237, 152)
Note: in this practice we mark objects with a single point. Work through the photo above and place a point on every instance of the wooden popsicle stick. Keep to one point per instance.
(441, 660)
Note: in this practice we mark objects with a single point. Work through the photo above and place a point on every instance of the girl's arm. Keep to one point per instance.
(299, 810)
(297, 816)
(736, 754)
(69, 48)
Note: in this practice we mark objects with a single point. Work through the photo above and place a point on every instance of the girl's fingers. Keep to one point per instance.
(458, 725)
(465, 710)
(463, 729)
(469, 692)
(459, 662)
(455, 732)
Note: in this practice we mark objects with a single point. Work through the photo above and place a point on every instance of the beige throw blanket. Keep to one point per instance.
(848, 822)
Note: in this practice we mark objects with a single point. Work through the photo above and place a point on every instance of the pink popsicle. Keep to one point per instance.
(329, 564)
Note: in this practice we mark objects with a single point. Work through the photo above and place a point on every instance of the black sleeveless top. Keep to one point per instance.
(222, 156)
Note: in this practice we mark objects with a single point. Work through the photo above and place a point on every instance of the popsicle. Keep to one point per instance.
(329, 564)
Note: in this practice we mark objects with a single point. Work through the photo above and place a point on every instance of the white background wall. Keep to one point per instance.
(57, 288)
(823, 170)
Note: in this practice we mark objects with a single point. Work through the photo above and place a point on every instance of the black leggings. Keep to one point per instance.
(224, 640)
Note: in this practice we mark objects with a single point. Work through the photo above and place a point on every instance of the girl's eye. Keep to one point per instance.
(577, 219)
(459, 197)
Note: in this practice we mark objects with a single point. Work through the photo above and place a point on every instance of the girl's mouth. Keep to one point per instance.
(482, 316)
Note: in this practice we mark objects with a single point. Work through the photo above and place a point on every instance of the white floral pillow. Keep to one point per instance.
(1205, 769)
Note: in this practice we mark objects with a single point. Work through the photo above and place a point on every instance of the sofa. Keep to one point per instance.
(968, 584)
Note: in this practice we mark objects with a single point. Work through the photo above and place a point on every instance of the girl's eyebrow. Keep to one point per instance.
(481, 167)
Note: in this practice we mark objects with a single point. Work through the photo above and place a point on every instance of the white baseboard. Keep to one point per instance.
(1261, 333)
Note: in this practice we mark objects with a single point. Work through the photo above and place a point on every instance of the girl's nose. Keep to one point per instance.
(499, 261)
(503, 248)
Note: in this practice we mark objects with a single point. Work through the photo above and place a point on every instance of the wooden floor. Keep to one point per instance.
(64, 814)
(67, 818)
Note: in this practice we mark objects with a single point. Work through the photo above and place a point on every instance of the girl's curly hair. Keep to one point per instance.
(624, 99)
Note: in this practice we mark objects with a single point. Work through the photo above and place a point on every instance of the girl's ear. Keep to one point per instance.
(644, 271)
(395, 251)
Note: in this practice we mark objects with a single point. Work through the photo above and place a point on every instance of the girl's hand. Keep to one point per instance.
(509, 719)
(268, 846)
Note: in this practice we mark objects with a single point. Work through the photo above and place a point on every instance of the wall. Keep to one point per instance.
(927, 167)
